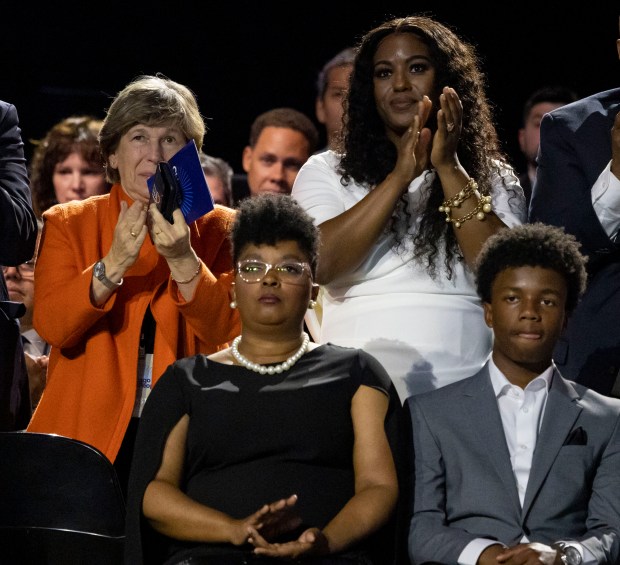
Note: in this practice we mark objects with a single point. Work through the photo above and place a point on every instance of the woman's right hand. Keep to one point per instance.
(414, 146)
(128, 238)
(272, 520)
(129, 235)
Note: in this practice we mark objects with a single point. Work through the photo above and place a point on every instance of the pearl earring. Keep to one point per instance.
(233, 304)
(311, 305)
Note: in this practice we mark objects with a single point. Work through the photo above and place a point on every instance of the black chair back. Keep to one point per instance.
(60, 502)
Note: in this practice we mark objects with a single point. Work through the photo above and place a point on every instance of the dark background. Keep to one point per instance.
(242, 58)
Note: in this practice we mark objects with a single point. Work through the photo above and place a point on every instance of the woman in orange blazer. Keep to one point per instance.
(119, 298)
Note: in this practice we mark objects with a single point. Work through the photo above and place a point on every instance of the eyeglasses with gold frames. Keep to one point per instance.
(292, 272)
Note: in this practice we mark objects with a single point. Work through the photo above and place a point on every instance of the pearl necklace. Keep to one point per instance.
(269, 369)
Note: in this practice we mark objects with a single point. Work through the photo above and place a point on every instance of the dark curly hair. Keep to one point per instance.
(269, 218)
(73, 134)
(369, 155)
(532, 245)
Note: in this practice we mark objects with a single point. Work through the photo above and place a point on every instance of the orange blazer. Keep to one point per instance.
(92, 372)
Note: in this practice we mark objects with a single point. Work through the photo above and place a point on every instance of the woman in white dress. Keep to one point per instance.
(417, 186)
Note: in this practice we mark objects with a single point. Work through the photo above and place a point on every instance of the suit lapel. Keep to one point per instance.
(561, 411)
(484, 413)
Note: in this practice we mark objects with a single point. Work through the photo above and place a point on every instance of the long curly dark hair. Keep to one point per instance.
(369, 155)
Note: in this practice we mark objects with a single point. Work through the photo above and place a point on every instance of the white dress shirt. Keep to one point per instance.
(33, 343)
(606, 201)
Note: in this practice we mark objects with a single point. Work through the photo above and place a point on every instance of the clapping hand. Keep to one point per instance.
(172, 241)
(129, 235)
(449, 124)
(413, 145)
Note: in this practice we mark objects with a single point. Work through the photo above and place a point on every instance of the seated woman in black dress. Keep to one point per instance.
(274, 448)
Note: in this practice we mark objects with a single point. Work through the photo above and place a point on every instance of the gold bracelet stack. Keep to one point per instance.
(198, 268)
(483, 207)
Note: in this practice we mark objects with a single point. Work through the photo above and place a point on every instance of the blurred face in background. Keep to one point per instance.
(74, 178)
(329, 106)
(20, 284)
(529, 134)
(216, 187)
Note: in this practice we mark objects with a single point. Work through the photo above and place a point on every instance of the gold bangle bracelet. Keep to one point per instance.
(483, 206)
(198, 268)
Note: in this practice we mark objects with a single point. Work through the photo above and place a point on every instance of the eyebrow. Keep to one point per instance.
(409, 60)
(256, 256)
(521, 289)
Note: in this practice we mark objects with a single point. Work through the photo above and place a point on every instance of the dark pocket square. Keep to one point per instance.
(577, 437)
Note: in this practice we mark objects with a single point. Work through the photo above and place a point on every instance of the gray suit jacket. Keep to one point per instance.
(465, 487)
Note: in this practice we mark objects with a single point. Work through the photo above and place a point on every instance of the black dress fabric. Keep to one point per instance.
(254, 439)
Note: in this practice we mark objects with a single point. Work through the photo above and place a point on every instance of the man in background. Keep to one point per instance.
(578, 187)
(20, 284)
(218, 174)
(281, 140)
(332, 85)
(540, 102)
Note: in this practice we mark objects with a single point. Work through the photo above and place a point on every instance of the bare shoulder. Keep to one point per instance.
(223, 356)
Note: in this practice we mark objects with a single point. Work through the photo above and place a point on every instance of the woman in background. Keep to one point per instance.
(67, 164)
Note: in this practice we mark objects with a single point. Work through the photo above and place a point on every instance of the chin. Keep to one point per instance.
(139, 197)
(273, 191)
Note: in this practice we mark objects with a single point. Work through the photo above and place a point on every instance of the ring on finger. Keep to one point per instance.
(450, 126)
(133, 233)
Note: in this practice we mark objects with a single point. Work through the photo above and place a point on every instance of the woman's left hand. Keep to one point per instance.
(311, 542)
(171, 240)
(449, 123)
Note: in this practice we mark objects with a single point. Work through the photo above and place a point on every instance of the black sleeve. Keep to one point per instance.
(18, 234)
(165, 406)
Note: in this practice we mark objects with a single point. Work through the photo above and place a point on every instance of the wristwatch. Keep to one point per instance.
(569, 554)
(99, 272)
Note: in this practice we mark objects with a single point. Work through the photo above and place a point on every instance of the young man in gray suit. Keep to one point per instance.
(516, 464)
